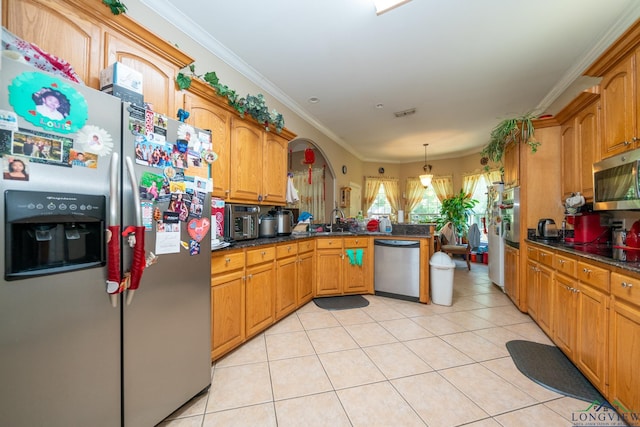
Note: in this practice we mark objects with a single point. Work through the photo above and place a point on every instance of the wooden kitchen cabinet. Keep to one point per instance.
(592, 325)
(306, 271)
(540, 287)
(619, 107)
(260, 289)
(511, 161)
(274, 166)
(90, 37)
(358, 278)
(204, 113)
(286, 279)
(329, 262)
(511, 274)
(624, 342)
(335, 275)
(227, 302)
(580, 145)
(565, 295)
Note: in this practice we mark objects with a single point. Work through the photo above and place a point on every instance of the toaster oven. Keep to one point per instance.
(241, 222)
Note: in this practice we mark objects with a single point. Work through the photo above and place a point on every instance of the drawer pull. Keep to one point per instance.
(264, 253)
(561, 261)
(586, 270)
(626, 285)
(227, 260)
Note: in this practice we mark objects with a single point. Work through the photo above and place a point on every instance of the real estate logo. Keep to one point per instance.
(602, 414)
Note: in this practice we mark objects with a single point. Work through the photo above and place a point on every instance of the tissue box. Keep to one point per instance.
(217, 218)
(123, 82)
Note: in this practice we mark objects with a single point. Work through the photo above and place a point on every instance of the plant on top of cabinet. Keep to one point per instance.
(255, 106)
(508, 130)
(116, 6)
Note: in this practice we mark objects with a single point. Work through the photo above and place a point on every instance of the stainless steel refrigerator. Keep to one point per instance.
(495, 236)
(73, 352)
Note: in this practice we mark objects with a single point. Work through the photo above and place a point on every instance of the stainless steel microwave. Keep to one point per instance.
(615, 182)
(241, 222)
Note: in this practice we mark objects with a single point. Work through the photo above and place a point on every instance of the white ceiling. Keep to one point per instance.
(464, 65)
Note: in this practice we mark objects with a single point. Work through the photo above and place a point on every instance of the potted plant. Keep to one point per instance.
(514, 129)
(457, 210)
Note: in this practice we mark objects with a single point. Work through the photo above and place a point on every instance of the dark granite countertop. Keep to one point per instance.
(604, 253)
(398, 231)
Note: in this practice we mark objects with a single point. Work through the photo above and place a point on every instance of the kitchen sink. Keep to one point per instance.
(333, 233)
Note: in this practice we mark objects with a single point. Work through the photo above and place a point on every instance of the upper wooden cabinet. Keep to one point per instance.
(619, 121)
(274, 168)
(511, 164)
(580, 145)
(87, 35)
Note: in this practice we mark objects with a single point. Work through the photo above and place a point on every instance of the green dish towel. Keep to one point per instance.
(352, 259)
(359, 255)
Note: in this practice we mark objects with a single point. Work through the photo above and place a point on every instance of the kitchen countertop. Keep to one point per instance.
(398, 231)
(601, 252)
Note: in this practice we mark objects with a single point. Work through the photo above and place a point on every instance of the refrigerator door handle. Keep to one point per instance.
(115, 284)
(138, 262)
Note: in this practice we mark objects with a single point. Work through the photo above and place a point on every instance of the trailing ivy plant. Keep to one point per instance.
(255, 106)
(116, 6)
(507, 130)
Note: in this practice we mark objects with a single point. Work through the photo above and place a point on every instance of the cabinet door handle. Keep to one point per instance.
(250, 276)
(626, 285)
(626, 143)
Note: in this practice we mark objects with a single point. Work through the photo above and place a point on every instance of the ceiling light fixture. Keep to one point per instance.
(383, 6)
(314, 100)
(426, 178)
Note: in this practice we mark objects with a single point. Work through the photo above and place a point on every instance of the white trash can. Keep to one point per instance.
(441, 280)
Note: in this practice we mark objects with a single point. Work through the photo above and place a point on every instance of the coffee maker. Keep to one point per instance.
(586, 228)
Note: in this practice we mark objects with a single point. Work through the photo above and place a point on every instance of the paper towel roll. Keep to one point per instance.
(400, 217)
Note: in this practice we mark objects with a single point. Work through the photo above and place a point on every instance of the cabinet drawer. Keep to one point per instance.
(305, 246)
(289, 249)
(532, 253)
(545, 257)
(565, 265)
(626, 288)
(595, 276)
(356, 242)
(221, 263)
(328, 243)
(260, 255)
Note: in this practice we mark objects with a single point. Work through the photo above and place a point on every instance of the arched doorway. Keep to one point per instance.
(316, 197)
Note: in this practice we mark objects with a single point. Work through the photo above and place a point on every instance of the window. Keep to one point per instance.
(480, 209)
(428, 209)
(380, 206)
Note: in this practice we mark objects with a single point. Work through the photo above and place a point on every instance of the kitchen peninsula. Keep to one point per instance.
(255, 283)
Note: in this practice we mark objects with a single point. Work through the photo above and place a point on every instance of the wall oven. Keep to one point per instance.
(510, 209)
(615, 182)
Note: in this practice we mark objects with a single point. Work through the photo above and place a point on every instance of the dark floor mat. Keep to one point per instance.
(549, 367)
(342, 302)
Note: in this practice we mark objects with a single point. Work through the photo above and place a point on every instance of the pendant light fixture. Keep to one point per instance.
(426, 178)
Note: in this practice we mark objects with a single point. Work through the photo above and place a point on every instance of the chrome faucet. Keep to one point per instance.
(336, 210)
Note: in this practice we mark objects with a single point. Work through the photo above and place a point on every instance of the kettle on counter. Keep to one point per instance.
(547, 229)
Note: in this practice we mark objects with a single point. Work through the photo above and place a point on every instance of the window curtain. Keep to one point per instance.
(493, 176)
(371, 188)
(392, 191)
(443, 187)
(414, 191)
(469, 183)
(311, 195)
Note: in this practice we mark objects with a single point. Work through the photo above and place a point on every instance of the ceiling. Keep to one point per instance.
(464, 65)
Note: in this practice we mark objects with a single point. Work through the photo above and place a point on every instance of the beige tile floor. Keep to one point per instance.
(392, 363)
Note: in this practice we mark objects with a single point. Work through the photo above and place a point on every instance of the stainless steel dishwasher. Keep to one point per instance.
(397, 268)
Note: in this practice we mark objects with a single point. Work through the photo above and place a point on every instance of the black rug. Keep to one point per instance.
(342, 302)
(549, 367)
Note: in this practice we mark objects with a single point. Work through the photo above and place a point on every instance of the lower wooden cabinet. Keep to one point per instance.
(511, 274)
(565, 301)
(286, 279)
(228, 311)
(338, 270)
(592, 324)
(305, 272)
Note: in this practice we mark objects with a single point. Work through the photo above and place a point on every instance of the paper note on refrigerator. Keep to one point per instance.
(167, 238)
